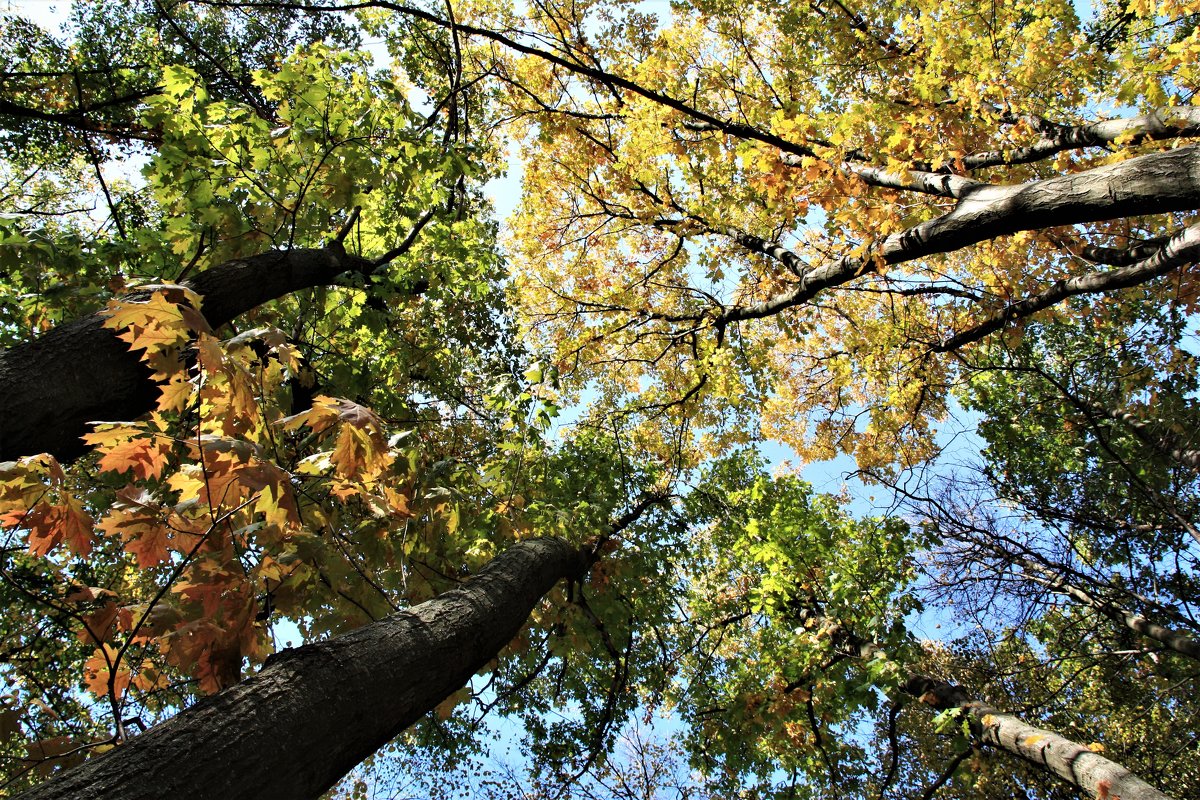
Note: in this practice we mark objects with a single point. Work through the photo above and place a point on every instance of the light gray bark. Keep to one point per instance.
(316, 711)
(1089, 771)
(1180, 643)
(1156, 183)
(1083, 768)
(1181, 249)
(1166, 123)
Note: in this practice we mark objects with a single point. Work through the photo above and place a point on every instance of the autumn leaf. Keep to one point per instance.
(145, 457)
(153, 325)
(326, 411)
(78, 593)
(97, 673)
(359, 451)
(175, 395)
(141, 524)
(149, 677)
(49, 525)
(98, 625)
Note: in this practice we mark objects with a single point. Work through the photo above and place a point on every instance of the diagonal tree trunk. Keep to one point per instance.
(1097, 776)
(80, 372)
(314, 712)
(1092, 773)
(1173, 640)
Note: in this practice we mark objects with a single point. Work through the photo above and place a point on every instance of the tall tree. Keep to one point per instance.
(290, 378)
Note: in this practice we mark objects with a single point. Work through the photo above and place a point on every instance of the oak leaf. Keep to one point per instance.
(98, 677)
(49, 525)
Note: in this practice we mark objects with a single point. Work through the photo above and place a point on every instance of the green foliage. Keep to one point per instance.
(719, 243)
(797, 626)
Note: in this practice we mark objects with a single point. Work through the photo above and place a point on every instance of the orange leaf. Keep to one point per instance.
(140, 522)
(99, 624)
(49, 525)
(145, 457)
(78, 593)
(97, 674)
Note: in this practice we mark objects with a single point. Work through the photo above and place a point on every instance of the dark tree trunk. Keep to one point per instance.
(314, 712)
(80, 372)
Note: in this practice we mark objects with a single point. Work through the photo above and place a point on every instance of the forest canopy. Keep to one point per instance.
(320, 474)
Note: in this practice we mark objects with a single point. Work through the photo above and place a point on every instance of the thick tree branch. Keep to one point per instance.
(1110, 256)
(1182, 249)
(1185, 645)
(1164, 440)
(1156, 183)
(314, 712)
(1168, 123)
(1083, 768)
(1086, 770)
(80, 372)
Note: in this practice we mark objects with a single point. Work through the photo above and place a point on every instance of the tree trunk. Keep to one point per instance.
(1083, 768)
(1173, 640)
(314, 712)
(52, 387)
(1095, 775)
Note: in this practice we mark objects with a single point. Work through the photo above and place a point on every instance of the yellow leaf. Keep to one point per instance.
(175, 394)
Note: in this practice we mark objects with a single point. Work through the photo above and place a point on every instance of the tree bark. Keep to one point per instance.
(1156, 183)
(1088, 771)
(1173, 640)
(314, 712)
(52, 387)
(1083, 768)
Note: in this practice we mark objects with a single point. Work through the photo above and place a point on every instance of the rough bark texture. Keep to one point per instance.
(1096, 775)
(1181, 249)
(1088, 771)
(315, 712)
(80, 372)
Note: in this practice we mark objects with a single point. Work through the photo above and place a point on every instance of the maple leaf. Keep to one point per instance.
(208, 651)
(275, 499)
(326, 411)
(150, 678)
(176, 394)
(359, 455)
(79, 593)
(129, 448)
(152, 546)
(99, 624)
(152, 325)
(144, 457)
(78, 527)
(397, 503)
(216, 589)
(29, 472)
(351, 451)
